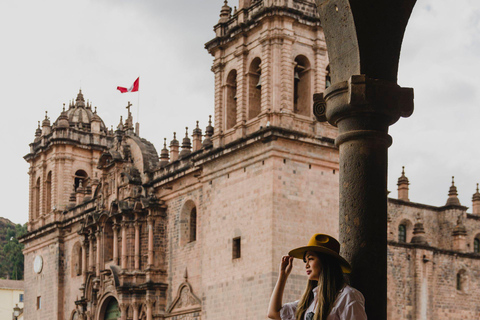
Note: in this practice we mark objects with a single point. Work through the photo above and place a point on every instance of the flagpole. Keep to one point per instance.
(138, 109)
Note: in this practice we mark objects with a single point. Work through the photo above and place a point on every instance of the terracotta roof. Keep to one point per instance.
(11, 284)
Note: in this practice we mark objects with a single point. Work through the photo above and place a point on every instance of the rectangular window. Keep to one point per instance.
(20, 297)
(236, 248)
(39, 303)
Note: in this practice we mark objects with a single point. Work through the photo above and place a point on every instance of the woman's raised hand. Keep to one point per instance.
(286, 265)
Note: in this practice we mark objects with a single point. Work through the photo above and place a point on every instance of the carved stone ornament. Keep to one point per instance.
(38, 264)
(185, 301)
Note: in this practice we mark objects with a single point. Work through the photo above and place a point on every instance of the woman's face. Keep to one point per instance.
(313, 266)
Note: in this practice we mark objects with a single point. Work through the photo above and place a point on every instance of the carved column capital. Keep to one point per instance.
(150, 302)
(361, 97)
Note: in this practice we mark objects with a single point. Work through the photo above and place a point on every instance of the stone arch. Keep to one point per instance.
(476, 243)
(80, 178)
(36, 198)
(74, 315)
(254, 88)
(76, 258)
(302, 101)
(109, 308)
(188, 222)
(407, 227)
(231, 99)
(48, 192)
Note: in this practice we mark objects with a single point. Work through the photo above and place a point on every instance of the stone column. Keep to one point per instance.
(363, 101)
(137, 245)
(149, 303)
(150, 241)
(123, 310)
(363, 140)
(124, 244)
(99, 253)
(136, 306)
(91, 260)
(116, 228)
(84, 259)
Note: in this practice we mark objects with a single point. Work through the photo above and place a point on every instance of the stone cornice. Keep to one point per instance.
(191, 163)
(469, 255)
(255, 14)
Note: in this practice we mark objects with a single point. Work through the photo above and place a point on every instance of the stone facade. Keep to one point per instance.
(116, 231)
(433, 258)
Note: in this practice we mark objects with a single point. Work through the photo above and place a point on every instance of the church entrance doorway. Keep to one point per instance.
(112, 312)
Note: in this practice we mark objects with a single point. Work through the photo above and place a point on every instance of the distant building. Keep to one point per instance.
(118, 232)
(433, 258)
(11, 296)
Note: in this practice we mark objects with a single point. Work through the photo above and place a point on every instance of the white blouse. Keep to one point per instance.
(349, 305)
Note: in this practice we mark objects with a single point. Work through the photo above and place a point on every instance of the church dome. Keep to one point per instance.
(80, 115)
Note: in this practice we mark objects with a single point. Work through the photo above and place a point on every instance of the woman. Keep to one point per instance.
(327, 296)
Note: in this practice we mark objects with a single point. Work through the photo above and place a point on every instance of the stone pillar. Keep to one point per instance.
(150, 241)
(99, 253)
(363, 142)
(137, 245)
(149, 303)
(266, 73)
(285, 82)
(136, 306)
(116, 229)
(124, 244)
(363, 101)
(218, 69)
(123, 310)
(459, 235)
(91, 260)
(84, 259)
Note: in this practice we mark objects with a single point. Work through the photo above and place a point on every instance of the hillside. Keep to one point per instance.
(11, 257)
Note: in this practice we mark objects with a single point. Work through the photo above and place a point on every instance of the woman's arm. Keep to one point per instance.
(276, 300)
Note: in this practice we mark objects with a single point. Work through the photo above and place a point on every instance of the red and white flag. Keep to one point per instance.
(133, 88)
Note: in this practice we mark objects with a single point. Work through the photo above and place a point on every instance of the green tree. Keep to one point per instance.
(11, 256)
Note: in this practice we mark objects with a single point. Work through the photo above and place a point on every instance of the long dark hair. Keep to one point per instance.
(330, 282)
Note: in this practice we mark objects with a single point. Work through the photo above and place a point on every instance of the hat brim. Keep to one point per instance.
(300, 252)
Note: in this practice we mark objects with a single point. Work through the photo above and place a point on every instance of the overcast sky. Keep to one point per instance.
(52, 48)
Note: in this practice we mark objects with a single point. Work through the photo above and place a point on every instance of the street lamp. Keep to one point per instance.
(16, 312)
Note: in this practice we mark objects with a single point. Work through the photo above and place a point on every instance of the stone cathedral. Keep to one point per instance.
(118, 231)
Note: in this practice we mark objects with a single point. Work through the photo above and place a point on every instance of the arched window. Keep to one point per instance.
(188, 223)
(80, 179)
(462, 280)
(36, 200)
(476, 245)
(231, 92)
(402, 233)
(302, 97)
(48, 193)
(254, 88)
(193, 225)
(328, 80)
(76, 260)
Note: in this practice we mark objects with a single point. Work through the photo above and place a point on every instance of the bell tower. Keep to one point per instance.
(269, 58)
(63, 159)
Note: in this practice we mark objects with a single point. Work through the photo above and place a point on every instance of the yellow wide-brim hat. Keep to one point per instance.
(325, 244)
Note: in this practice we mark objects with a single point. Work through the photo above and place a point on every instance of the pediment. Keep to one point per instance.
(185, 302)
